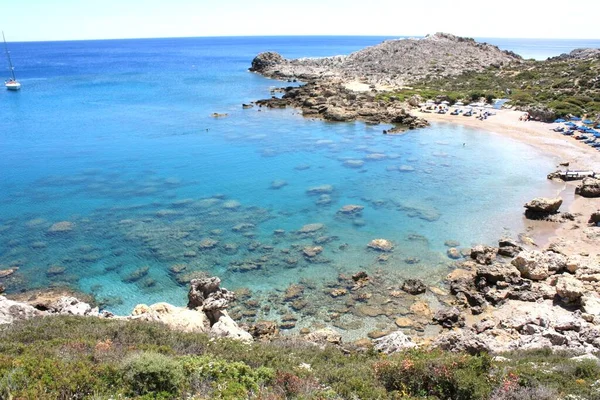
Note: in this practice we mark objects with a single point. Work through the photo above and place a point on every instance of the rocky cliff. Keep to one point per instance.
(393, 63)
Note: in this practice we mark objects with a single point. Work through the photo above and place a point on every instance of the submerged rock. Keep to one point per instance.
(381, 245)
(414, 286)
(61, 227)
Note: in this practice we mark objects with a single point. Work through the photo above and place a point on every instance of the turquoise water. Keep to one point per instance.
(116, 139)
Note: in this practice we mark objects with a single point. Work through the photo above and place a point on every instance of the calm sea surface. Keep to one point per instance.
(115, 142)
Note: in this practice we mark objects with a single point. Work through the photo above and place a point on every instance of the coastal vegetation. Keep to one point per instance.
(65, 357)
(563, 86)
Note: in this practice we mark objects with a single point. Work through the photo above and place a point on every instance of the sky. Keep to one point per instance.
(41, 20)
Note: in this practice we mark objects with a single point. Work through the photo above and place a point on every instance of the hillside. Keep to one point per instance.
(394, 62)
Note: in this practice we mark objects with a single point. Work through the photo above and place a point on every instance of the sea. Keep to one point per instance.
(129, 167)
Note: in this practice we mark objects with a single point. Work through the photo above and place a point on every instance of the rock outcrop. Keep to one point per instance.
(206, 311)
(393, 62)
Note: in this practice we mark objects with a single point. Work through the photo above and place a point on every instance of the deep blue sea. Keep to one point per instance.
(115, 178)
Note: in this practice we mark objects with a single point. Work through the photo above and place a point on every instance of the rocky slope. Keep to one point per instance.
(393, 63)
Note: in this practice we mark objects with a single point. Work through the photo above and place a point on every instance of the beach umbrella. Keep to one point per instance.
(445, 102)
(459, 103)
(570, 123)
(558, 121)
(575, 119)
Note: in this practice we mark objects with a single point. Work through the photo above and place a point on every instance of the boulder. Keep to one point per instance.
(461, 341)
(414, 286)
(324, 336)
(589, 187)
(595, 218)
(393, 343)
(226, 327)
(72, 306)
(11, 311)
(449, 317)
(590, 304)
(569, 289)
(206, 293)
(483, 254)
(537, 266)
(497, 272)
(543, 205)
(177, 318)
(508, 248)
(339, 114)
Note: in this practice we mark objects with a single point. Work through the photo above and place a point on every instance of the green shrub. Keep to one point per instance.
(437, 374)
(154, 373)
(229, 380)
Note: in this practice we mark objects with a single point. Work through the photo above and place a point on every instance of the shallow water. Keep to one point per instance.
(117, 139)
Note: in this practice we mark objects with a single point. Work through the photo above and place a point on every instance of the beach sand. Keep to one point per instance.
(572, 236)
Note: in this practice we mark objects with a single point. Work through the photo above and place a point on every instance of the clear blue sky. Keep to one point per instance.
(26, 20)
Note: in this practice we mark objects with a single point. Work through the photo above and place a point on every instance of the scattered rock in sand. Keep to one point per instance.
(542, 205)
(589, 187)
(381, 245)
(403, 322)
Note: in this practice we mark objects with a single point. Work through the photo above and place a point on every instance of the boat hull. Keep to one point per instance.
(13, 85)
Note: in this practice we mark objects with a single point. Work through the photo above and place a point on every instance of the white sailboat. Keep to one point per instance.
(11, 83)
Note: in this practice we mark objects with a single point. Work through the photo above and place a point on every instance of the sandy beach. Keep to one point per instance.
(571, 236)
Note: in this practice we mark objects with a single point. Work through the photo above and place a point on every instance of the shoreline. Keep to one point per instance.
(540, 136)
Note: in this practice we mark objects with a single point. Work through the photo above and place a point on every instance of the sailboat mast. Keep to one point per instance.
(12, 69)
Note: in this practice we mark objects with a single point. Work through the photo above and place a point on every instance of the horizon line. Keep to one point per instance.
(276, 36)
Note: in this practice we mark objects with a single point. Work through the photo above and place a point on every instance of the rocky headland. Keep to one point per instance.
(393, 63)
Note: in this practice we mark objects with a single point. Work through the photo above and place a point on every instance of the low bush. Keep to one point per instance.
(155, 373)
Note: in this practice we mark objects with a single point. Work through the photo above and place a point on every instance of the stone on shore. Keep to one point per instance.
(324, 336)
(538, 266)
(543, 205)
(11, 311)
(589, 187)
(569, 289)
